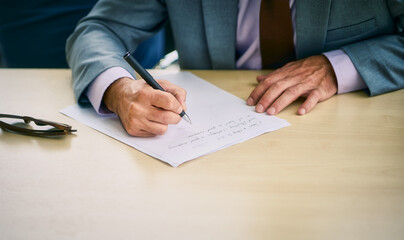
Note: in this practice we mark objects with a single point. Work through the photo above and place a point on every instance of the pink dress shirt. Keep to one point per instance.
(248, 57)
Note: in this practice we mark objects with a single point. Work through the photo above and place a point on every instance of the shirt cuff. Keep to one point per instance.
(99, 85)
(348, 77)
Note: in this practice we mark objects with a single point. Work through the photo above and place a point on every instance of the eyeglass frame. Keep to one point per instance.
(60, 128)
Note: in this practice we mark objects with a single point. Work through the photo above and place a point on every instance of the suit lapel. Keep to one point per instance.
(220, 19)
(311, 26)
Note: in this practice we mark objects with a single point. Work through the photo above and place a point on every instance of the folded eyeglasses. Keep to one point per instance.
(45, 129)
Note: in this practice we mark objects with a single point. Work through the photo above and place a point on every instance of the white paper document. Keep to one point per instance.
(219, 119)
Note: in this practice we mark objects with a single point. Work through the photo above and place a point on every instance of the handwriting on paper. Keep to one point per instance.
(219, 132)
(221, 120)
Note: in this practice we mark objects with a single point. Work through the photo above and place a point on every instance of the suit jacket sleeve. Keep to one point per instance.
(101, 38)
(380, 60)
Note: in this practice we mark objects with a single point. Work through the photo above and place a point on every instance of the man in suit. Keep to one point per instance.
(340, 46)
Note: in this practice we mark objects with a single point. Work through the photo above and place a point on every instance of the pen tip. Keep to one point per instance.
(186, 118)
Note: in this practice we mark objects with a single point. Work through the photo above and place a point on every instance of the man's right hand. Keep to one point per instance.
(144, 111)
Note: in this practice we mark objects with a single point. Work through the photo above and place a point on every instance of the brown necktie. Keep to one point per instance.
(276, 33)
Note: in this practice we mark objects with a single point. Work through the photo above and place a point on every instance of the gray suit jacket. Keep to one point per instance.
(369, 31)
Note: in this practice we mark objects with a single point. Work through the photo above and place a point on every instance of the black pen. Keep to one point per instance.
(149, 79)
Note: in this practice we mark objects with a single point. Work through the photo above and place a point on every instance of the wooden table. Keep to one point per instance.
(336, 173)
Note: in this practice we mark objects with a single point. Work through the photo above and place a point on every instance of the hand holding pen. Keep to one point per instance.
(143, 111)
(149, 79)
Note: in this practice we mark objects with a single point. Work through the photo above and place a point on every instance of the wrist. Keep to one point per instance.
(113, 92)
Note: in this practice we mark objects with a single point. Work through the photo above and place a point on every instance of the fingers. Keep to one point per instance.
(165, 100)
(312, 77)
(146, 121)
(309, 104)
(144, 111)
(277, 80)
(159, 115)
(151, 112)
(285, 98)
(145, 128)
(269, 90)
(178, 92)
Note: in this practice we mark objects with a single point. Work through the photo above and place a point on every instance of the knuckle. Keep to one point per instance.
(267, 82)
(133, 132)
(309, 78)
(255, 94)
(280, 85)
(293, 91)
(170, 118)
(171, 103)
(133, 110)
(161, 130)
(132, 129)
(162, 81)
(165, 118)
(316, 93)
(143, 93)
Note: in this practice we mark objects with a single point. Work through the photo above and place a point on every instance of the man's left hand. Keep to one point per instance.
(312, 77)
